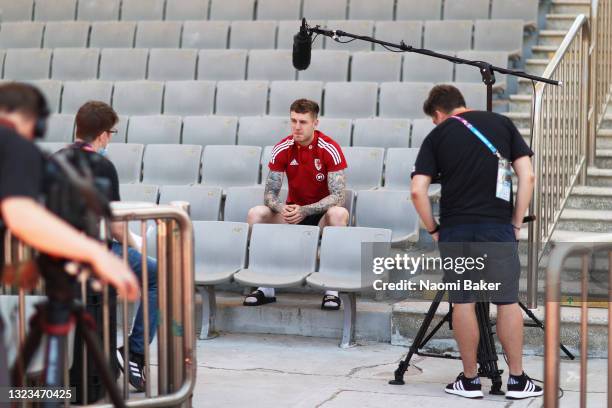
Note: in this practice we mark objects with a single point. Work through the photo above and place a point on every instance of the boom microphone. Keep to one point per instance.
(302, 45)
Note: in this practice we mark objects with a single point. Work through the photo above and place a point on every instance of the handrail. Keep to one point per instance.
(559, 142)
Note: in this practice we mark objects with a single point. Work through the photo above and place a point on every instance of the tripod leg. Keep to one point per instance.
(487, 355)
(540, 324)
(418, 340)
(93, 347)
(28, 348)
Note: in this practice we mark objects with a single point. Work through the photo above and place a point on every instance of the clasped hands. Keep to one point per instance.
(292, 213)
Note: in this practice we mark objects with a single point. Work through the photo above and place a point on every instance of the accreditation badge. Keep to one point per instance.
(504, 179)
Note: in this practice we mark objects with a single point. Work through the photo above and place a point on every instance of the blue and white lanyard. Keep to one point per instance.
(479, 135)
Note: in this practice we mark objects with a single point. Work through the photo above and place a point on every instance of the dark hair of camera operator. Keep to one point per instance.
(23, 112)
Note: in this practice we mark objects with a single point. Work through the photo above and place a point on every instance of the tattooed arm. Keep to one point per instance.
(336, 182)
(274, 183)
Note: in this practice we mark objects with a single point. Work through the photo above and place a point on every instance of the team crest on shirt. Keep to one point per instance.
(320, 177)
(317, 163)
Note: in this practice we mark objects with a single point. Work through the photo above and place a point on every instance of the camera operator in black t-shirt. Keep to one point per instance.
(470, 153)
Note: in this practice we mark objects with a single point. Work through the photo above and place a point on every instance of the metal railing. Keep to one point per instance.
(559, 141)
(560, 253)
(176, 373)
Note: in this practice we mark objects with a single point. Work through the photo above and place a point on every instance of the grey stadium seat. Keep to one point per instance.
(365, 167)
(220, 251)
(51, 147)
(278, 9)
(239, 200)
(158, 34)
(499, 35)
(112, 34)
(379, 132)
(75, 64)
(52, 90)
(280, 255)
(23, 34)
(232, 9)
(27, 64)
(371, 10)
(253, 34)
(242, 98)
(171, 164)
(376, 66)
(266, 154)
(17, 10)
(138, 97)
(127, 158)
(222, 65)
(339, 129)
(325, 9)
(66, 34)
(453, 35)
(123, 64)
(420, 130)
(210, 130)
(158, 129)
(172, 65)
(359, 27)
(55, 10)
(148, 193)
(403, 99)
(466, 9)
(388, 209)
(205, 34)
(411, 32)
(475, 94)
(423, 68)
(271, 65)
(398, 167)
(96, 10)
(60, 128)
(327, 66)
(288, 28)
(351, 99)
(263, 130)
(284, 93)
(76, 93)
(186, 10)
(466, 73)
(121, 126)
(204, 202)
(419, 10)
(189, 97)
(526, 10)
(228, 166)
(134, 10)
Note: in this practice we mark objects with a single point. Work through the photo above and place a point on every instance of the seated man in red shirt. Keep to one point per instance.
(314, 164)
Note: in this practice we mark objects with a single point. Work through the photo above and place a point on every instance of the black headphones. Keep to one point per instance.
(40, 127)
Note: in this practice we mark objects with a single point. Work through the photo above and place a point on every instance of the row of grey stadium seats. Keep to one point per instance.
(231, 165)
(248, 130)
(95, 10)
(488, 35)
(250, 98)
(230, 65)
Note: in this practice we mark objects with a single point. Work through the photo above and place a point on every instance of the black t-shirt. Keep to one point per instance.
(466, 168)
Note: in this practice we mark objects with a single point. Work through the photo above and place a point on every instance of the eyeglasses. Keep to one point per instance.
(112, 131)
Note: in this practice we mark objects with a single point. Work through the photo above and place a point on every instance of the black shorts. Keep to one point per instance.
(312, 219)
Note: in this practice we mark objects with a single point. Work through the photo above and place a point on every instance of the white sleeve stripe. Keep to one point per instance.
(278, 152)
(332, 151)
(278, 146)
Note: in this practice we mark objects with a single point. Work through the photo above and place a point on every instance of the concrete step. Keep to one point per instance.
(570, 7)
(542, 52)
(585, 220)
(520, 119)
(560, 21)
(521, 103)
(599, 177)
(535, 66)
(604, 139)
(603, 158)
(551, 37)
(595, 198)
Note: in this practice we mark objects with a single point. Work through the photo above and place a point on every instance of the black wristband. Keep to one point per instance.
(435, 229)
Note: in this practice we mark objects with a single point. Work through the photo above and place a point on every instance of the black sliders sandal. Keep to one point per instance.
(333, 299)
(261, 299)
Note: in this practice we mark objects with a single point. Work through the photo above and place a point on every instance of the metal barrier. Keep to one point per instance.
(559, 141)
(560, 253)
(176, 372)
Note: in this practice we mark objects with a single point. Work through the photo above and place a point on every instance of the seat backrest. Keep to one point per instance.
(219, 247)
(171, 164)
(526, 10)
(139, 192)
(112, 34)
(75, 64)
(222, 65)
(359, 27)
(475, 94)
(52, 90)
(121, 135)
(205, 34)
(452, 35)
(27, 64)
(423, 68)
(22, 34)
(339, 129)
(466, 9)
(271, 65)
(398, 167)
(278, 9)
(376, 66)
(351, 99)
(127, 158)
(239, 200)
(123, 64)
(388, 209)
(327, 66)
(365, 167)
(242, 98)
(55, 10)
(172, 65)
(230, 165)
(189, 97)
(138, 97)
(157, 129)
(419, 10)
(380, 132)
(66, 34)
(283, 249)
(284, 93)
(403, 99)
(135, 10)
(51, 147)
(341, 250)
(253, 34)
(420, 130)
(262, 130)
(60, 128)
(158, 34)
(325, 9)
(17, 10)
(210, 130)
(204, 201)
(96, 10)
(76, 93)
(371, 10)
(232, 9)
(499, 35)
(411, 32)
(186, 10)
